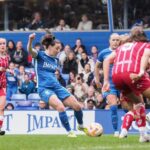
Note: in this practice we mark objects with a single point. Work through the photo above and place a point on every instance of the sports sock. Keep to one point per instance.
(79, 116)
(1, 121)
(127, 120)
(64, 120)
(114, 117)
(140, 115)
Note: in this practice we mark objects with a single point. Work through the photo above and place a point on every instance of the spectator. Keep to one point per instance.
(94, 53)
(21, 75)
(72, 78)
(90, 104)
(36, 22)
(62, 26)
(27, 86)
(63, 54)
(9, 106)
(70, 64)
(83, 61)
(87, 72)
(11, 47)
(77, 45)
(80, 89)
(60, 78)
(12, 81)
(20, 56)
(85, 23)
(91, 94)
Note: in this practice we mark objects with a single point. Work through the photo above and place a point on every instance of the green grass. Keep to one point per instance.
(62, 142)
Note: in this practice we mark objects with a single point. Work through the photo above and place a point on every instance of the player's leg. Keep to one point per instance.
(49, 96)
(75, 105)
(140, 116)
(2, 106)
(58, 105)
(128, 117)
(112, 101)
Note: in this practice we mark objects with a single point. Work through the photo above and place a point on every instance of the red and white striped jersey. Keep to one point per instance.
(4, 61)
(128, 57)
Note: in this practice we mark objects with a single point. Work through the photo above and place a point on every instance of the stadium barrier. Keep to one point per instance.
(47, 122)
(98, 38)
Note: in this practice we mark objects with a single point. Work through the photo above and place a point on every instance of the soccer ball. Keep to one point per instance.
(95, 129)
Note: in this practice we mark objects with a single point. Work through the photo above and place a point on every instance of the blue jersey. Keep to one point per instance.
(48, 84)
(101, 57)
(45, 67)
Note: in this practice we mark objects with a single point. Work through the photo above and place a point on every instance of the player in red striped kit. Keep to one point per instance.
(127, 60)
(4, 60)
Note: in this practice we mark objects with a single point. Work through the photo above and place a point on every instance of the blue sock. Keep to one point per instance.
(114, 117)
(64, 120)
(79, 116)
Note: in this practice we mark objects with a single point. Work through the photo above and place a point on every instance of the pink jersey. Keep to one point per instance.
(3, 63)
(128, 57)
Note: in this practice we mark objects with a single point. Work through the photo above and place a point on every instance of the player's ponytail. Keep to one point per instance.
(48, 39)
(138, 34)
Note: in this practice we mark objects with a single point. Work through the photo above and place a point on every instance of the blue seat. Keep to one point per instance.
(18, 97)
(24, 103)
(34, 97)
(27, 108)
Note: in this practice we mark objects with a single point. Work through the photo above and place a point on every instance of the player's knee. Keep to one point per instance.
(60, 108)
(77, 107)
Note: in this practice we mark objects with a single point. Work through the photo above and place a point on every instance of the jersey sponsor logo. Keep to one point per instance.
(48, 65)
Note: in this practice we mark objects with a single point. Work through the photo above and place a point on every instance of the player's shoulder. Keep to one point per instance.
(104, 51)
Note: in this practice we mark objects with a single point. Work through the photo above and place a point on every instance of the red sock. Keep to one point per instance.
(140, 115)
(127, 120)
(1, 121)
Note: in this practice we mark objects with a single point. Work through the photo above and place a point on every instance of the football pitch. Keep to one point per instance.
(61, 142)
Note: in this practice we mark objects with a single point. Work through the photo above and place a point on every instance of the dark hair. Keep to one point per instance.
(9, 104)
(48, 39)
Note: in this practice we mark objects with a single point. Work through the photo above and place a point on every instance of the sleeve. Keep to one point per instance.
(100, 57)
(39, 55)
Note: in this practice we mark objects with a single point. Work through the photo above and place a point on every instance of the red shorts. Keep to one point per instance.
(2, 92)
(124, 83)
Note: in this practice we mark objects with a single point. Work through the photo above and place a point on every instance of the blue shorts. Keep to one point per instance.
(111, 92)
(59, 91)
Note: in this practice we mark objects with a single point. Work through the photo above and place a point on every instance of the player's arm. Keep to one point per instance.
(106, 65)
(29, 45)
(143, 66)
(97, 75)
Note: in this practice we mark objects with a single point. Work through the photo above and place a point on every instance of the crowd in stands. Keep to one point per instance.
(68, 15)
(57, 15)
(76, 73)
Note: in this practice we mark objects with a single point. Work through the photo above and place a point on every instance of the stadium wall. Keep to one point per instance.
(47, 122)
(100, 39)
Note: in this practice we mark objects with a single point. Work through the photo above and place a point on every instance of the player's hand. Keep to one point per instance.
(98, 84)
(32, 36)
(135, 77)
(106, 86)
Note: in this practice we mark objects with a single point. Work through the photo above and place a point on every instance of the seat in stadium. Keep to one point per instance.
(34, 97)
(27, 108)
(18, 97)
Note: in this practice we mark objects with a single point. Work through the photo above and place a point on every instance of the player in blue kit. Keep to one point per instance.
(112, 95)
(49, 87)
